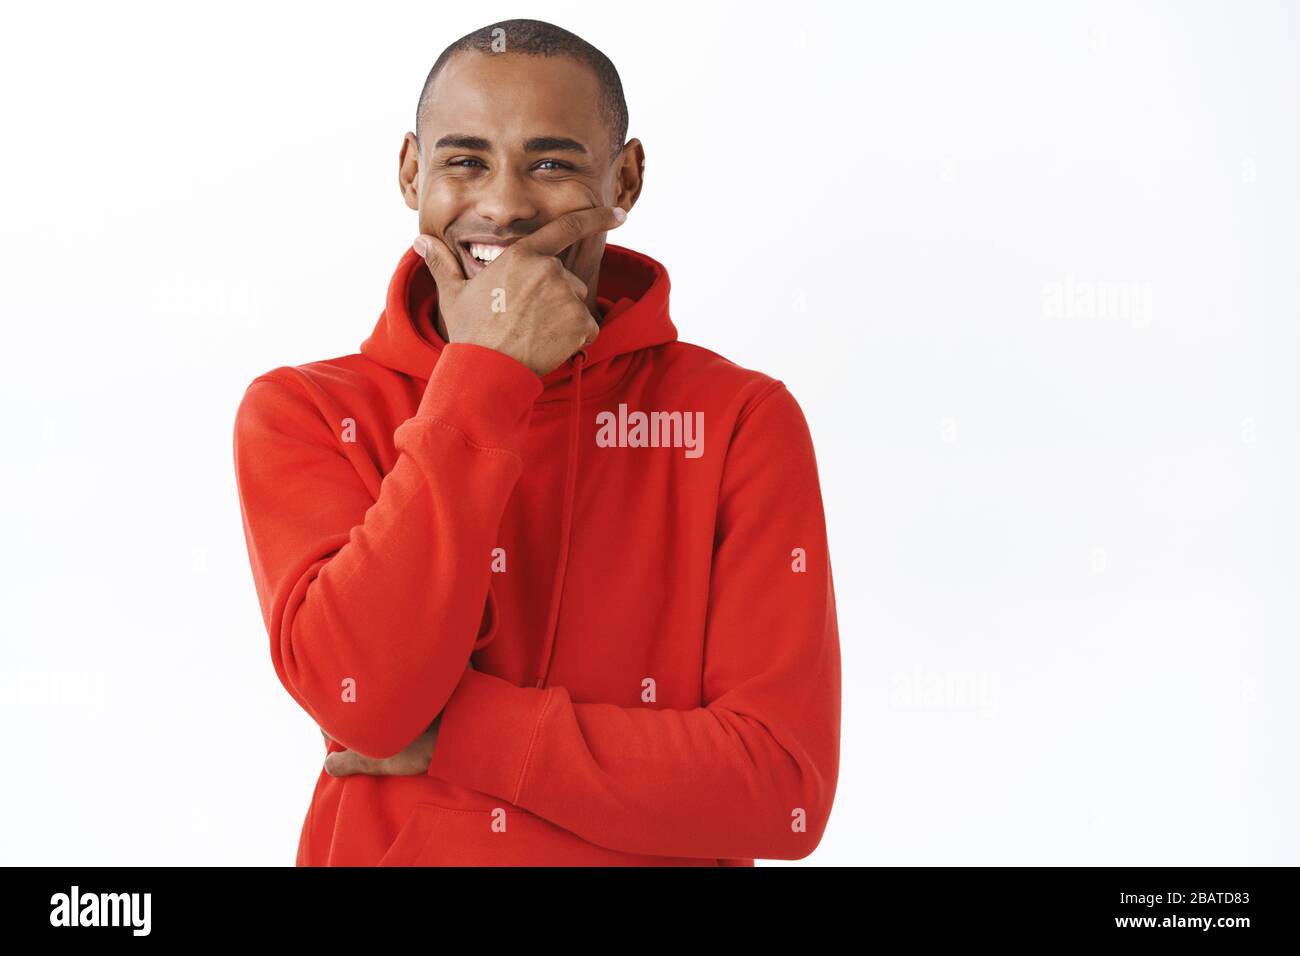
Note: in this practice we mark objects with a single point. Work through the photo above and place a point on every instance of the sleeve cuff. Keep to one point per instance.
(486, 734)
(484, 394)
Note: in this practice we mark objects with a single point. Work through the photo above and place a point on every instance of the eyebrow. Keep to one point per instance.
(538, 144)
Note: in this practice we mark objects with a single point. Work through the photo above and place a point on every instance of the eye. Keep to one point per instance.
(556, 164)
(463, 161)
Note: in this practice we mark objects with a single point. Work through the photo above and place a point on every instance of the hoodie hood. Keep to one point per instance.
(632, 296)
(631, 292)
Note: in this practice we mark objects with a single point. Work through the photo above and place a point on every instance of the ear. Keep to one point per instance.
(408, 171)
(629, 175)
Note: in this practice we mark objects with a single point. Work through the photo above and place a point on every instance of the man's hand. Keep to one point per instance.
(544, 317)
(413, 760)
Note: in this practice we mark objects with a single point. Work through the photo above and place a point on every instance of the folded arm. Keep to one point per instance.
(374, 604)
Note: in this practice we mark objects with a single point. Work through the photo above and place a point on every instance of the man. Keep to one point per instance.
(554, 585)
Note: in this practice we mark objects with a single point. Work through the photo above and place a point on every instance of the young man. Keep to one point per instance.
(554, 585)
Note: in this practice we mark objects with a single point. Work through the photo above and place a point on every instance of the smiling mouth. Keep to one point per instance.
(478, 255)
(484, 253)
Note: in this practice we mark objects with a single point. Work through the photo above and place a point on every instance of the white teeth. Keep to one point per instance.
(484, 252)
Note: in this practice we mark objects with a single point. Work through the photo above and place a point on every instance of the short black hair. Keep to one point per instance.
(538, 38)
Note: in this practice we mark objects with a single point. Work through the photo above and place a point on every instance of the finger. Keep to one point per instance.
(577, 285)
(441, 262)
(558, 234)
(343, 763)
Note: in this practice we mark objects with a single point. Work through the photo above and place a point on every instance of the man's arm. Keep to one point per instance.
(750, 775)
(373, 604)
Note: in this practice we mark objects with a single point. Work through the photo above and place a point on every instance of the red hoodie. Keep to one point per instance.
(629, 631)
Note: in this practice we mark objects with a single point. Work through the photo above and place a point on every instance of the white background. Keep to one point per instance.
(1063, 538)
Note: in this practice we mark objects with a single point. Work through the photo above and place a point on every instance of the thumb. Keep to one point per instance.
(441, 262)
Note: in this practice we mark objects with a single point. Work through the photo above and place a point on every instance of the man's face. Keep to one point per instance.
(510, 142)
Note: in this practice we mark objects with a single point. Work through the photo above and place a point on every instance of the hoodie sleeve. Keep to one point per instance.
(752, 773)
(374, 604)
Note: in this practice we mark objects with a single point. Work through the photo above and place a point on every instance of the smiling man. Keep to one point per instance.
(554, 584)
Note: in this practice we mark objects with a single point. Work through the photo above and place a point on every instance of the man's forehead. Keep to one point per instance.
(513, 99)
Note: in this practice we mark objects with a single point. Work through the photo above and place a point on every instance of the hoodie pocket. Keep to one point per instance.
(508, 836)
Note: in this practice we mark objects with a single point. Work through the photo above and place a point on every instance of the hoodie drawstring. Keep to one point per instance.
(566, 518)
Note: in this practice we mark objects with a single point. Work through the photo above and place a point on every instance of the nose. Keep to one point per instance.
(504, 198)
